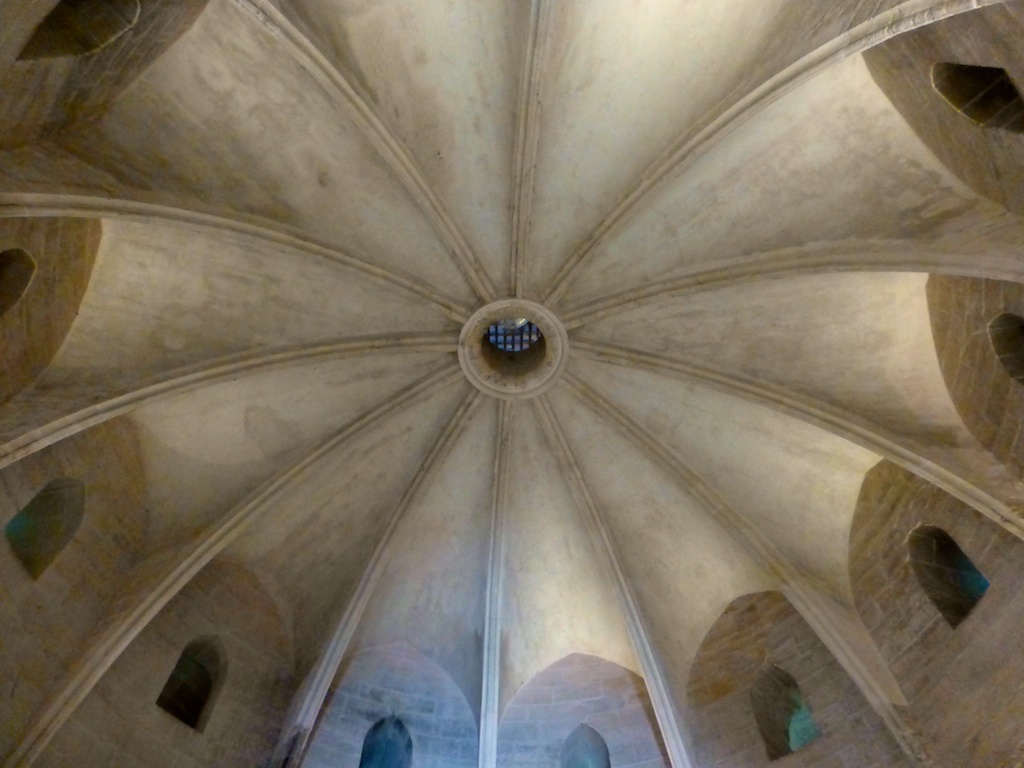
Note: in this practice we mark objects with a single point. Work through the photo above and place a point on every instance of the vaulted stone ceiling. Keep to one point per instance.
(302, 203)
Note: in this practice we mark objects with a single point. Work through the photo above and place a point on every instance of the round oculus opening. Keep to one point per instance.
(513, 346)
(513, 349)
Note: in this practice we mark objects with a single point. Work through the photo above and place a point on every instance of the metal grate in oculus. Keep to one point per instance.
(513, 335)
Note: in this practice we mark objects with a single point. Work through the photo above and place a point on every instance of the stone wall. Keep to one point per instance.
(119, 723)
(32, 331)
(44, 623)
(989, 401)
(765, 627)
(580, 689)
(965, 686)
(395, 680)
(989, 160)
(49, 94)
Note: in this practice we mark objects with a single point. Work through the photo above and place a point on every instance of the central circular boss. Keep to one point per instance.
(513, 349)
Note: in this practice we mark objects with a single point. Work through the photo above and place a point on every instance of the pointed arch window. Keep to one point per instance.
(78, 27)
(16, 270)
(585, 748)
(387, 745)
(783, 716)
(41, 531)
(948, 576)
(191, 689)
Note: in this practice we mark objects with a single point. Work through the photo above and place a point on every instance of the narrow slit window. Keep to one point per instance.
(986, 95)
(387, 745)
(79, 27)
(16, 270)
(46, 525)
(948, 576)
(585, 748)
(192, 686)
(783, 716)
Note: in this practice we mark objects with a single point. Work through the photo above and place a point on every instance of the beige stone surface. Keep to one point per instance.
(270, 236)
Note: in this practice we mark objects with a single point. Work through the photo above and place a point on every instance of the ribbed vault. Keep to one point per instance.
(301, 202)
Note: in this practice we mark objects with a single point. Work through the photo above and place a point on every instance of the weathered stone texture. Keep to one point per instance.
(44, 624)
(990, 161)
(119, 724)
(46, 95)
(32, 331)
(965, 686)
(395, 680)
(580, 689)
(989, 401)
(765, 627)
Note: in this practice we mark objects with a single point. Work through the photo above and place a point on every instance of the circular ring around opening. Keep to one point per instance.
(493, 364)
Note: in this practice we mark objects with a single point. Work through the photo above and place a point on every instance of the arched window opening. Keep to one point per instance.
(16, 270)
(190, 690)
(948, 576)
(1006, 332)
(78, 27)
(40, 531)
(585, 748)
(783, 716)
(987, 95)
(387, 745)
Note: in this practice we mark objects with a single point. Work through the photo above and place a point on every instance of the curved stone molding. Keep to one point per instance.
(987, 397)
(67, 90)
(934, 663)
(164, 574)
(384, 141)
(765, 627)
(178, 382)
(531, 372)
(986, 158)
(262, 230)
(34, 327)
(869, 256)
(885, 26)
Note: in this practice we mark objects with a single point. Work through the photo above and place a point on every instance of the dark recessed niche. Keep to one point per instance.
(78, 27)
(16, 270)
(1006, 333)
(387, 745)
(190, 690)
(513, 346)
(947, 575)
(986, 95)
(41, 531)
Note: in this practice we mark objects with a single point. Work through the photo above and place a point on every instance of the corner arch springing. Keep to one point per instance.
(46, 525)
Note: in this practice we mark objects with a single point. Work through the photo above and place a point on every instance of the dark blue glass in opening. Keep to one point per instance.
(802, 728)
(516, 335)
(585, 748)
(387, 745)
